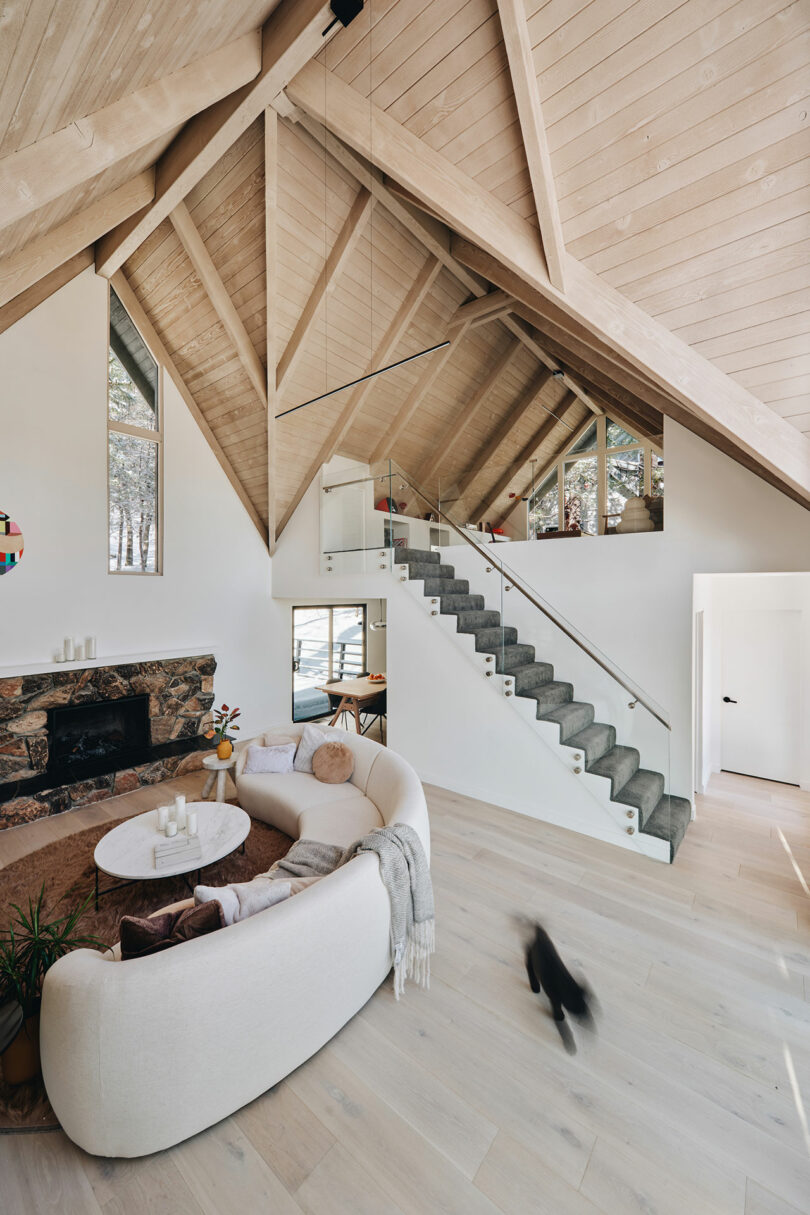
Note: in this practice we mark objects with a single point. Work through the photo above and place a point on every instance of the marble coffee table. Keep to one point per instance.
(128, 851)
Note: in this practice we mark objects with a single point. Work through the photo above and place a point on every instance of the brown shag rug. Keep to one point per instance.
(66, 868)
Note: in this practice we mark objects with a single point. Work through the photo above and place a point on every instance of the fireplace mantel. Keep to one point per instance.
(109, 660)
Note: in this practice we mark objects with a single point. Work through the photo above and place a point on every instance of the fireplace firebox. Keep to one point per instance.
(89, 739)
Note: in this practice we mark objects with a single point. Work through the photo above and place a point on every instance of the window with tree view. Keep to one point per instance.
(134, 448)
(591, 481)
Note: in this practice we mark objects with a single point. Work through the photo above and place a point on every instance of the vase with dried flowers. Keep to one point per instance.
(224, 720)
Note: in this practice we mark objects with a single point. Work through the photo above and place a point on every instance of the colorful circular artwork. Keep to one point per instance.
(11, 543)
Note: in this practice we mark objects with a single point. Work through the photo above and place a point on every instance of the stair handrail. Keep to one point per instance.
(515, 579)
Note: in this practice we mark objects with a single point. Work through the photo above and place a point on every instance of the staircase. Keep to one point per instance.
(641, 790)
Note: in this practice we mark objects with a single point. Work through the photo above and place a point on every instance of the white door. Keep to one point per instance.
(761, 694)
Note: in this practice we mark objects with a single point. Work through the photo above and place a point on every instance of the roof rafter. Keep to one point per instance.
(390, 340)
(45, 170)
(345, 244)
(530, 116)
(430, 374)
(221, 302)
(290, 37)
(133, 306)
(526, 452)
(468, 411)
(501, 436)
(515, 264)
(46, 253)
(271, 296)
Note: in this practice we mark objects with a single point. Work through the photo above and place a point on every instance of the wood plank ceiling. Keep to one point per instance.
(676, 135)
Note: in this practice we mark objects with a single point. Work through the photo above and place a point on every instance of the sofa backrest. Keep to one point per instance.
(364, 750)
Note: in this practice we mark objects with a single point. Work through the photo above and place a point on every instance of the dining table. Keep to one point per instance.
(353, 693)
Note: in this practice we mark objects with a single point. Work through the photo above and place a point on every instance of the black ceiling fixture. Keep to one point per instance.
(345, 12)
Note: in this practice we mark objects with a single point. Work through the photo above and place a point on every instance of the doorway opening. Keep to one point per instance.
(334, 651)
(752, 677)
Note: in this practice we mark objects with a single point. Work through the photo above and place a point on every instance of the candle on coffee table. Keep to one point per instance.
(171, 828)
(163, 817)
(191, 822)
(180, 811)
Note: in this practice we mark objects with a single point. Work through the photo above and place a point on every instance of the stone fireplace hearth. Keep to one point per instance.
(179, 694)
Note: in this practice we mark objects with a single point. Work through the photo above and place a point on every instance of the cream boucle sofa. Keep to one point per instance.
(140, 1055)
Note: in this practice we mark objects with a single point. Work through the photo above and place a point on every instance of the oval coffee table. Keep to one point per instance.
(128, 851)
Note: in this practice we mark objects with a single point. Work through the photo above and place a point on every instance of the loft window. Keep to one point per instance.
(588, 487)
(134, 447)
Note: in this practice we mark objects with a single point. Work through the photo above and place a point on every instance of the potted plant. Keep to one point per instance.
(28, 948)
(224, 719)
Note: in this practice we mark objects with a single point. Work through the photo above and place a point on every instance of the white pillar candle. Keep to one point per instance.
(90, 647)
(67, 649)
(163, 817)
(180, 810)
(192, 822)
(171, 828)
(78, 651)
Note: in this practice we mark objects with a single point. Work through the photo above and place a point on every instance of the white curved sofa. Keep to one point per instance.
(140, 1055)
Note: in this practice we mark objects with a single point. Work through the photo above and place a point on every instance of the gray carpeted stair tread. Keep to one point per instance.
(619, 765)
(510, 656)
(470, 622)
(669, 821)
(550, 695)
(644, 791)
(487, 640)
(446, 586)
(595, 740)
(571, 717)
(450, 604)
(530, 675)
(420, 569)
(424, 556)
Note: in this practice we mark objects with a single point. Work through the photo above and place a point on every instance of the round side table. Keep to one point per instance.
(217, 769)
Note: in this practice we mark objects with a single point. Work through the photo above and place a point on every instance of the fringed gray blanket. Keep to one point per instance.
(406, 876)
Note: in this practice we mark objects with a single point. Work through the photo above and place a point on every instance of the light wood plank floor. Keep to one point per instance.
(693, 1098)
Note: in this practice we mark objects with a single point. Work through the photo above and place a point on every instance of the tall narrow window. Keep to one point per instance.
(134, 448)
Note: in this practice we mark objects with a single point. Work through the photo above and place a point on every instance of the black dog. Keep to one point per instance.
(548, 973)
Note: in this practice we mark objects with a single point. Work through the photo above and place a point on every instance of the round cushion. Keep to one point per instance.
(333, 763)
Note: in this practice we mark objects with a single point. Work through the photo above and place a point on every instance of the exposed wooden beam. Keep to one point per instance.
(516, 264)
(45, 253)
(431, 233)
(345, 244)
(487, 307)
(526, 452)
(503, 433)
(382, 355)
(43, 171)
(530, 116)
(291, 36)
(271, 263)
(468, 411)
(222, 303)
(518, 327)
(42, 290)
(567, 441)
(434, 365)
(133, 306)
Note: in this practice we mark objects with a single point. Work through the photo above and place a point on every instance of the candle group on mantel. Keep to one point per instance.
(75, 651)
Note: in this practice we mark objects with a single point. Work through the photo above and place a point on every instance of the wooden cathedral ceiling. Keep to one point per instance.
(615, 190)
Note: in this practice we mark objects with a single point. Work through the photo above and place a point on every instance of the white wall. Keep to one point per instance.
(717, 593)
(215, 589)
(632, 595)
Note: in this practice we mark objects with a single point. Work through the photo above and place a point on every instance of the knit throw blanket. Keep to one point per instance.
(406, 876)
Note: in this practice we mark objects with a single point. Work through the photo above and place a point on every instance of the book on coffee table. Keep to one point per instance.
(177, 848)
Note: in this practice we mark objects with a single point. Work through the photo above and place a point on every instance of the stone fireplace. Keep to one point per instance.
(71, 737)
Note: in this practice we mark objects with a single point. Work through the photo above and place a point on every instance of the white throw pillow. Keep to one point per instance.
(243, 899)
(311, 739)
(269, 759)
